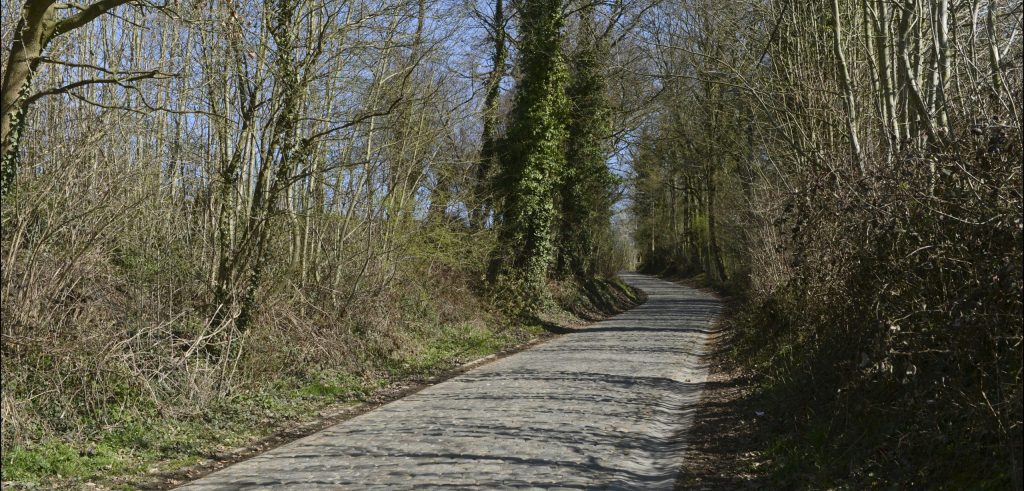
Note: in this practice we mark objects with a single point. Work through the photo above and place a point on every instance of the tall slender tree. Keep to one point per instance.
(536, 151)
(489, 152)
(585, 192)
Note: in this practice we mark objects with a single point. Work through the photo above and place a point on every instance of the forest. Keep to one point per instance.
(223, 216)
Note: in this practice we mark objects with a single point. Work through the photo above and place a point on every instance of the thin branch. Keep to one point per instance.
(92, 81)
(85, 16)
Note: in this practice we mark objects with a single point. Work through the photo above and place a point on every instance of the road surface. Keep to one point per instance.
(606, 407)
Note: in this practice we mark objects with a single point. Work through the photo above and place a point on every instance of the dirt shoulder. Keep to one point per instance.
(721, 445)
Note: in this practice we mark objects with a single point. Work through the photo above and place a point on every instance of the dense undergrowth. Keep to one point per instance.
(890, 353)
(893, 357)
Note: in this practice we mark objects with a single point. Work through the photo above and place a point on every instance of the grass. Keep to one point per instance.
(452, 344)
(122, 456)
(62, 460)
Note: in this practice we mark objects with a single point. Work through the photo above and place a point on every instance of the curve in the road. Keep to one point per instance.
(605, 407)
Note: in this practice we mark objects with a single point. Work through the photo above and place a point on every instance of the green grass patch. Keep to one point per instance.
(64, 461)
(139, 441)
(337, 386)
(446, 346)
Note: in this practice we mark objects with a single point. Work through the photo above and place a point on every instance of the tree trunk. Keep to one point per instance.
(714, 252)
(847, 87)
(489, 155)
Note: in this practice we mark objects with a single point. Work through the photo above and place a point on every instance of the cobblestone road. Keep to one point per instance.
(606, 407)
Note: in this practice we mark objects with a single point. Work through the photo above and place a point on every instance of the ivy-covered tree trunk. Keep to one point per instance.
(536, 153)
(586, 188)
